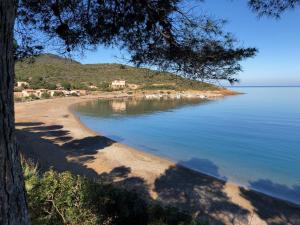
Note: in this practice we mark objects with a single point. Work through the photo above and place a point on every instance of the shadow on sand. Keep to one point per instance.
(273, 210)
(50, 146)
(203, 195)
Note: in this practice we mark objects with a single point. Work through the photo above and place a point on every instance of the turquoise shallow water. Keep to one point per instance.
(251, 139)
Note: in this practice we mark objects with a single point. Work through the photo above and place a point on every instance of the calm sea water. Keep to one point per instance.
(251, 139)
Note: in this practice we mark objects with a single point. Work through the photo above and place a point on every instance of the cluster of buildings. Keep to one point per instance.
(27, 92)
(39, 92)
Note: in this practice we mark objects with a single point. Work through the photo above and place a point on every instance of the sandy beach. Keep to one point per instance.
(51, 135)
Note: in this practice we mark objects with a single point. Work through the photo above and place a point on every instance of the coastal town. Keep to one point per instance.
(120, 88)
(23, 90)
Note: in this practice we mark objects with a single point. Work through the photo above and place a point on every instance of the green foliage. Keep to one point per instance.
(18, 99)
(159, 87)
(74, 94)
(66, 85)
(32, 97)
(159, 33)
(18, 89)
(50, 86)
(41, 82)
(54, 70)
(58, 94)
(273, 8)
(66, 199)
(104, 86)
(60, 198)
(45, 95)
(79, 86)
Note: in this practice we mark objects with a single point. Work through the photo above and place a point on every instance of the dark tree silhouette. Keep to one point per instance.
(155, 32)
(272, 8)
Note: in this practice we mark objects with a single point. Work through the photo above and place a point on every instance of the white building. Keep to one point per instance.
(22, 84)
(28, 92)
(118, 84)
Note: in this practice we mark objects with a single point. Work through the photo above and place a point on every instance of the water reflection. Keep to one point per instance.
(131, 106)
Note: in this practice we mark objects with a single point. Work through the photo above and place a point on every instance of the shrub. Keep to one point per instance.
(79, 85)
(18, 99)
(104, 86)
(58, 94)
(66, 199)
(45, 95)
(33, 97)
(66, 85)
(74, 94)
(159, 87)
(18, 89)
(50, 86)
(58, 198)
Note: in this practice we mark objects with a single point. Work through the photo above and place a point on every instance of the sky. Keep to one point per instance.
(278, 42)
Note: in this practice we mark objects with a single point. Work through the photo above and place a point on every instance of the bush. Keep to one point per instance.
(66, 85)
(104, 86)
(74, 94)
(159, 87)
(18, 99)
(58, 94)
(45, 95)
(50, 86)
(58, 198)
(18, 89)
(79, 85)
(66, 199)
(33, 97)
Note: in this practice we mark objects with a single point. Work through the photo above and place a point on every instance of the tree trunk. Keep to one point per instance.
(13, 206)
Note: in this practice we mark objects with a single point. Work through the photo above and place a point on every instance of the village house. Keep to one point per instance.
(18, 94)
(116, 84)
(22, 84)
(28, 92)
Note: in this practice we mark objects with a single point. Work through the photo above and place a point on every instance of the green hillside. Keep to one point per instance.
(47, 70)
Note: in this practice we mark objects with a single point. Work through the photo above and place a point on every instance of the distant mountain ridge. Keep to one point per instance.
(53, 69)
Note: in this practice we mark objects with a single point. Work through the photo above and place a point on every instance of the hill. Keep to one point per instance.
(47, 70)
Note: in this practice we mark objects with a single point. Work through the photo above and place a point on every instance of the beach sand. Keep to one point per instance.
(52, 136)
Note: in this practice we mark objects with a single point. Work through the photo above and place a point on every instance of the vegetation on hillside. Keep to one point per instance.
(47, 70)
(66, 199)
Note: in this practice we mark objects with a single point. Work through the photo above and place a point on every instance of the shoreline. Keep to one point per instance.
(93, 154)
(72, 111)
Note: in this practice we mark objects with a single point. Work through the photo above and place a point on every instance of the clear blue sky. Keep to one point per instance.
(278, 42)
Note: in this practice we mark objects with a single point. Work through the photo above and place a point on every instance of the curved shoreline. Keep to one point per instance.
(72, 110)
(102, 155)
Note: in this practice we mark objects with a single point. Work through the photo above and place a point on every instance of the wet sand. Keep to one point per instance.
(51, 135)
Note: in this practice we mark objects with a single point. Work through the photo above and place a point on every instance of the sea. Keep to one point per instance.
(252, 139)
